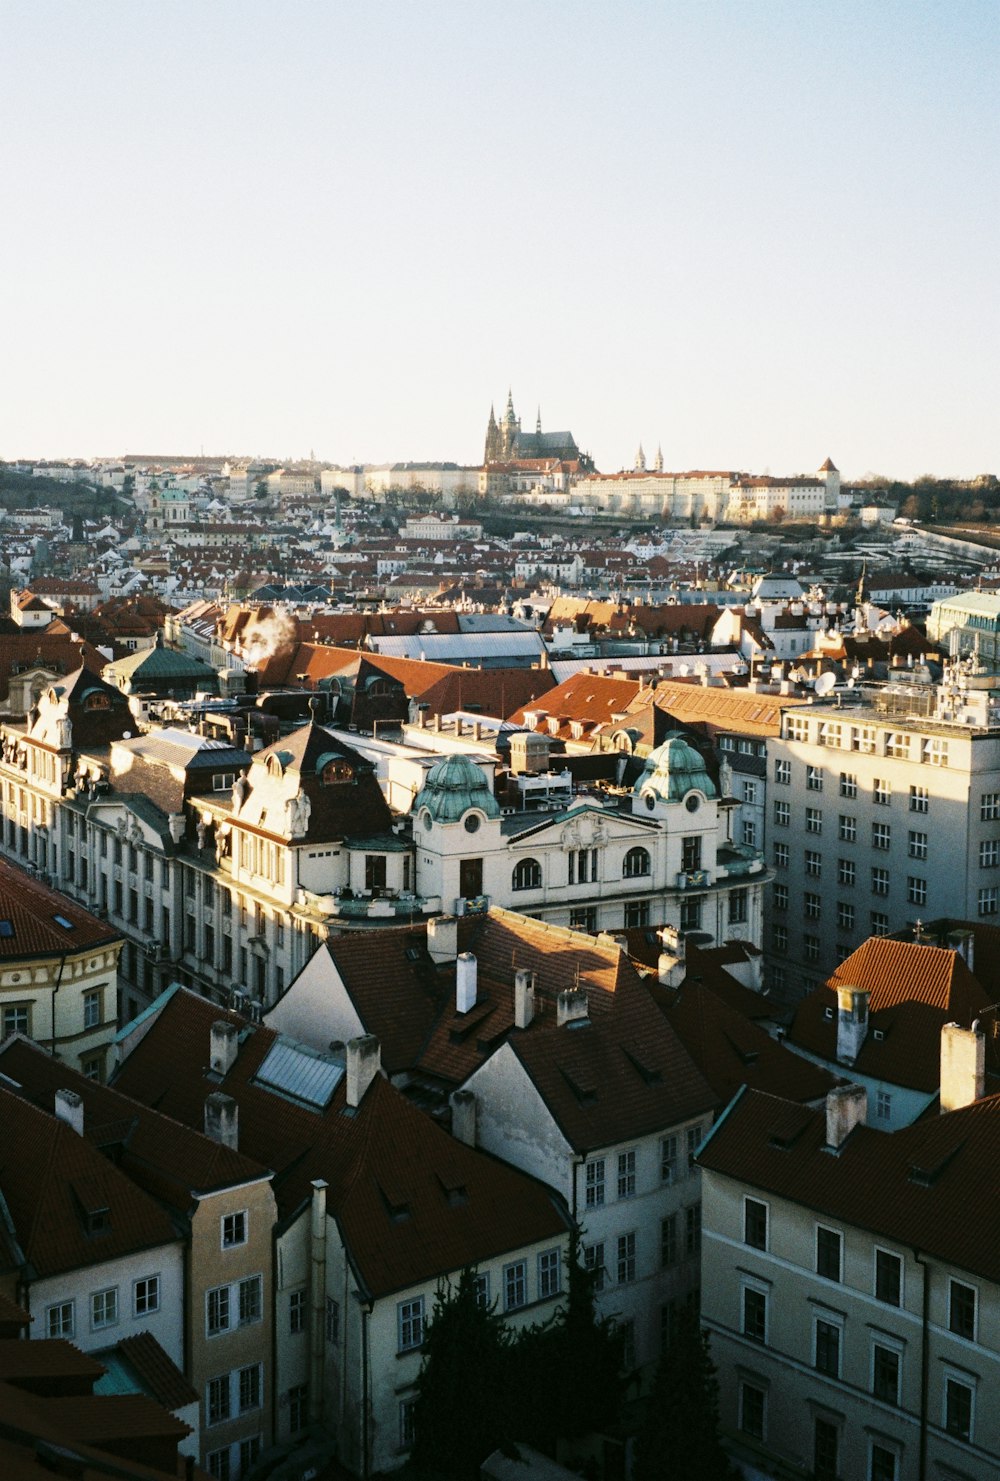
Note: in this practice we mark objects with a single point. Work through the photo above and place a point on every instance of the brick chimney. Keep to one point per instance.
(222, 1120)
(364, 1061)
(963, 1065)
(846, 1108)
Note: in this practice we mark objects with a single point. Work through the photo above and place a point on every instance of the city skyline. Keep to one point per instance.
(756, 237)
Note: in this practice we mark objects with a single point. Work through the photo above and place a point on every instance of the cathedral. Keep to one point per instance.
(507, 443)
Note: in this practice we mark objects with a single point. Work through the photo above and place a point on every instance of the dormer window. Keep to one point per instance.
(336, 771)
(97, 701)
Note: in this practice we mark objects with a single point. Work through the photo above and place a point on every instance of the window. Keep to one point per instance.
(919, 799)
(669, 1248)
(691, 853)
(827, 1348)
(481, 1286)
(693, 1136)
(846, 871)
(752, 1401)
(250, 1300)
(738, 907)
(250, 1388)
(754, 1314)
(814, 779)
(626, 1258)
(917, 845)
(668, 1159)
(147, 1295)
(989, 853)
(814, 864)
(883, 1105)
(217, 1311)
(755, 1223)
(104, 1308)
(958, 1408)
(218, 1399)
(91, 1009)
(845, 916)
(781, 855)
(234, 1229)
(692, 1230)
(783, 773)
(811, 948)
(987, 901)
(848, 784)
(626, 1174)
(249, 1454)
(298, 1407)
(548, 1274)
(812, 905)
(897, 745)
(879, 922)
(780, 897)
(593, 1260)
(691, 915)
(749, 830)
(636, 913)
(59, 1320)
(962, 1309)
(297, 1311)
(828, 1250)
(782, 814)
(636, 863)
(626, 1330)
(594, 1180)
(847, 828)
(332, 1320)
(375, 871)
(814, 820)
(934, 751)
(410, 1324)
(916, 890)
(881, 792)
(989, 807)
(515, 1285)
(881, 836)
(825, 1447)
(219, 1464)
(882, 1466)
(16, 1019)
(527, 875)
(750, 792)
(885, 1373)
(779, 937)
(407, 1432)
(797, 728)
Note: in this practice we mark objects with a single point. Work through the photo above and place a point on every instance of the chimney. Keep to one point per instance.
(963, 1065)
(964, 943)
(463, 1117)
(69, 1108)
(222, 1120)
(465, 982)
(364, 1061)
(442, 939)
(571, 1007)
(852, 1022)
(224, 1046)
(524, 998)
(846, 1108)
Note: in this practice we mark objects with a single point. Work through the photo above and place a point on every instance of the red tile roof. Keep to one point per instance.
(156, 1371)
(31, 909)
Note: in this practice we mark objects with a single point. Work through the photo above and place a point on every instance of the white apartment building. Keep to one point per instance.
(881, 812)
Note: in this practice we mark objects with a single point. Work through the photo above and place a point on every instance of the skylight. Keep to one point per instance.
(6, 928)
(300, 1073)
(60, 920)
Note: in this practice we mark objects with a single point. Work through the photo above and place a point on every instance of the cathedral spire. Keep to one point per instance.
(658, 465)
(640, 460)
(538, 422)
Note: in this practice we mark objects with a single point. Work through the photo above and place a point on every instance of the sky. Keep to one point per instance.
(752, 232)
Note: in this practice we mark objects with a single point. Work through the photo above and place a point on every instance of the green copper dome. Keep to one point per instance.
(453, 786)
(673, 770)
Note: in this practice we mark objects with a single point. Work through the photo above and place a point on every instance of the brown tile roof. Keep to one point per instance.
(915, 990)
(156, 1371)
(352, 809)
(911, 1186)
(28, 1364)
(31, 909)
(52, 1178)
(412, 1202)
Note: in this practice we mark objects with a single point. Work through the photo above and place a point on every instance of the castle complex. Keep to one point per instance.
(507, 443)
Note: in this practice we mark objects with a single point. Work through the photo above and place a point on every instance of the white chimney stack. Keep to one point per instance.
(524, 998)
(222, 1120)
(364, 1061)
(846, 1108)
(223, 1047)
(852, 1022)
(69, 1108)
(963, 1065)
(571, 1007)
(442, 939)
(466, 973)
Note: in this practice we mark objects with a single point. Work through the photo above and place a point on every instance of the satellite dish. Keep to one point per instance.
(825, 683)
(851, 682)
(684, 670)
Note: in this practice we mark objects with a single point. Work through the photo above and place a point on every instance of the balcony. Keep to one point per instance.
(694, 879)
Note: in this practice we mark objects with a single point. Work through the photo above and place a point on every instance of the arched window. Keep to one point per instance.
(336, 771)
(527, 875)
(636, 863)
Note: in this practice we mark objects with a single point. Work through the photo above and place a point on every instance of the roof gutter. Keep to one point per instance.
(52, 1014)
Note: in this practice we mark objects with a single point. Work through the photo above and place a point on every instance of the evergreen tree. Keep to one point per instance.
(679, 1439)
(463, 1408)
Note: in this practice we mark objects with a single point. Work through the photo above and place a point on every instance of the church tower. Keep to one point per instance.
(492, 452)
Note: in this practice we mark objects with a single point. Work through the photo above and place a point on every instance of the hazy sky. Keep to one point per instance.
(756, 232)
